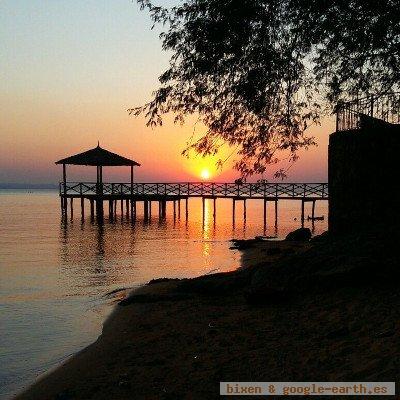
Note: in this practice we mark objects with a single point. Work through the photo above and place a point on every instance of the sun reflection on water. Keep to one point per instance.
(53, 278)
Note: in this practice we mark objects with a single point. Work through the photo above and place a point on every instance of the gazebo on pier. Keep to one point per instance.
(163, 193)
(99, 158)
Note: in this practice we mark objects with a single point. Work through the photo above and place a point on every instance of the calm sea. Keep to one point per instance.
(56, 279)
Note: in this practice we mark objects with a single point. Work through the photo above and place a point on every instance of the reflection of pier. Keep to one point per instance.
(129, 194)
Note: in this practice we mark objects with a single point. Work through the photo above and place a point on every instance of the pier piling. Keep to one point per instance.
(131, 209)
(233, 211)
(71, 203)
(92, 209)
(214, 208)
(82, 208)
(313, 210)
(163, 209)
(265, 215)
(99, 192)
(127, 208)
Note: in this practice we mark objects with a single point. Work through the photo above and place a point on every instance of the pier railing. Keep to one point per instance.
(384, 107)
(199, 189)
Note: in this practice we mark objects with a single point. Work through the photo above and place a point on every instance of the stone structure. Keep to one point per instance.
(364, 190)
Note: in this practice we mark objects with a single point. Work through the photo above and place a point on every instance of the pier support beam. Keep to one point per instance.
(131, 211)
(265, 216)
(163, 209)
(313, 210)
(127, 208)
(62, 205)
(99, 210)
(276, 213)
(110, 210)
(71, 203)
(214, 209)
(187, 208)
(82, 208)
(91, 209)
(131, 190)
(99, 196)
(233, 211)
(64, 199)
(244, 211)
(302, 213)
(203, 208)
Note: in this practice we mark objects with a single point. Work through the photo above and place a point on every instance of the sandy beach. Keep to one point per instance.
(177, 339)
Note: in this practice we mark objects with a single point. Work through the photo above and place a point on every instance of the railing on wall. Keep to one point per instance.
(384, 107)
(200, 189)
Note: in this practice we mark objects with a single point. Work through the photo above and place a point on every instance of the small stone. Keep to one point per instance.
(299, 235)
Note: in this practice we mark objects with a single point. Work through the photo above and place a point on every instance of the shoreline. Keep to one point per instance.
(169, 329)
(249, 258)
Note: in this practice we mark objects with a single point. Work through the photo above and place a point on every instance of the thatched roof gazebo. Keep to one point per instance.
(99, 158)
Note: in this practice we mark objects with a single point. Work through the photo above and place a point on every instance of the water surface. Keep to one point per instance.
(55, 277)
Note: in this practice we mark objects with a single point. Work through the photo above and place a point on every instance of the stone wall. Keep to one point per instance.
(364, 187)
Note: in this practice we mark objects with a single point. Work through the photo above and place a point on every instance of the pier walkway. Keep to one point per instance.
(131, 193)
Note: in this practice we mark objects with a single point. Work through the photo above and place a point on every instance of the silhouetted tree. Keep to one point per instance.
(257, 73)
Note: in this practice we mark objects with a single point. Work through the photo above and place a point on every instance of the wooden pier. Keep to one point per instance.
(125, 196)
(129, 194)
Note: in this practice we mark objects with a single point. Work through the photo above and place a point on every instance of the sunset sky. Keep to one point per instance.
(70, 70)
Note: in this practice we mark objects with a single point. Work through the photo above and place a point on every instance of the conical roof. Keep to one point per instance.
(98, 157)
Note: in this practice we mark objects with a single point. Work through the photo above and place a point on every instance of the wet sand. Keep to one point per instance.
(179, 339)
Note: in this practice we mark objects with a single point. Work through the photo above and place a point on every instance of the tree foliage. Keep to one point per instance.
(257, 73)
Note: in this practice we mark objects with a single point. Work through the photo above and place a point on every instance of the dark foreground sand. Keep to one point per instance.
(316, 319)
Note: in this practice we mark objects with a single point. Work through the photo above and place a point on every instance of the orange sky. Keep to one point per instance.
(70, 70)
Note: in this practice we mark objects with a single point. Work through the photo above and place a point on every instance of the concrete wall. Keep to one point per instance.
(364, 186)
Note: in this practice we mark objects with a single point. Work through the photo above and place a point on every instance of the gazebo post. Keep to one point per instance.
(131, 191)
(99, 194)
(64, 202)
(98, 158)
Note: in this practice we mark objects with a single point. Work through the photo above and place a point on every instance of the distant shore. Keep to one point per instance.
(28, 186)
(294, 312)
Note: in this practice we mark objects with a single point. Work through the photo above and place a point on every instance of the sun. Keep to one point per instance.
(205, 174)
